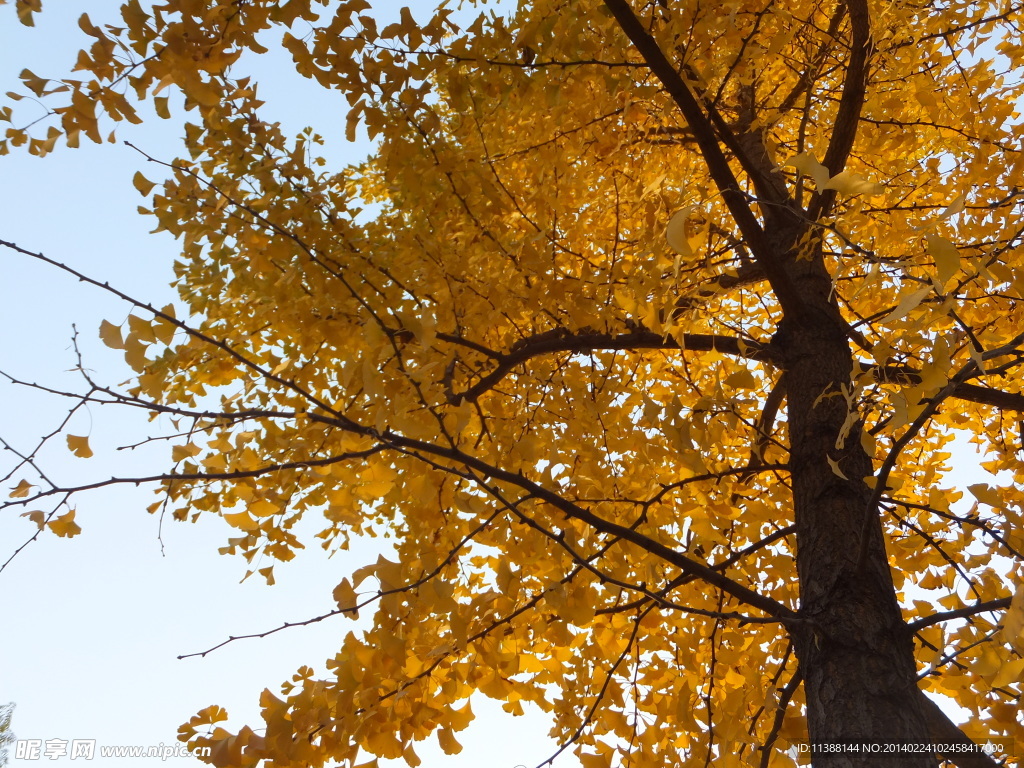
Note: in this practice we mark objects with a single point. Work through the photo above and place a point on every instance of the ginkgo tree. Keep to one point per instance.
(645, 330)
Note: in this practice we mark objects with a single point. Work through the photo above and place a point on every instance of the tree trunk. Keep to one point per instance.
(855, 651)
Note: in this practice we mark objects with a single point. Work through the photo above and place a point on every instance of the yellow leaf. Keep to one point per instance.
(907, 303)
(182, 452)
(65, 525)
(164, 330)
(21, 490)
(986, 495)
(741, 379)
(33, 82)
(135, 354)
(141, 329)
(241, 520)
(459, 719)
(947, 257)
(79, 446)
(144, 185)
(37, 517)
(162, 110)
(835, 468)
(86, 25)
(1009, 672)
(988, 663)
(675, 232)
(264, 508)
(808, 165)
(593, 761)
(846, 183)
(1013, 620)
(448, 742)
(111, 335)
(384, 744)
(345, 596)
(957, 206)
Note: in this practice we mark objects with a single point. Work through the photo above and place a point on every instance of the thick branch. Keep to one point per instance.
(945, 731)
(975, 393)
(562, 341)
(960, 613)
(1007, 401)
(844, 129)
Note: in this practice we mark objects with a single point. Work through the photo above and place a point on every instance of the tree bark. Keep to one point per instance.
(855, 650)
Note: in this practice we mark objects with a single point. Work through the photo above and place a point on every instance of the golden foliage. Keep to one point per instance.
(531, 338)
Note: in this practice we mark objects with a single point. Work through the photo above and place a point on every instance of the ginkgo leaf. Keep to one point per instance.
(33, 82)
(264, 508)
(908, 302)
(741, 379)
(36, 516)
(1010, 672)
(345, 596)
(111, 335)
(144, 185)
(947, 257)
(182, 452)
(988, 663)
(21, 490)
(847, 183)
(589, 760)
(162, 108)
(241, 520)
(135, 354)
(79, 446)
(164, 330)
(1013, 620)
(449, 744)
(808, 165)
(835, 468)
(986, 494)
(65, 525)
(955, 207)
(141, 329)
(675, 232)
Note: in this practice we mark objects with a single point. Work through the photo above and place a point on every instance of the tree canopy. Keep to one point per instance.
(645, 331)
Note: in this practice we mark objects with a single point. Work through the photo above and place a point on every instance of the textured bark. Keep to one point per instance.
(856, 653)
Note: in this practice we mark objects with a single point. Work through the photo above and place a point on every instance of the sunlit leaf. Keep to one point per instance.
(79, 446)
(65, 525)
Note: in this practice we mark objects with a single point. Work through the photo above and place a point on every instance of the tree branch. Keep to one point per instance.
(960, 613)
(564, 341)
(844, 128)
(1007, 401)
(944, 731)
(718, 166)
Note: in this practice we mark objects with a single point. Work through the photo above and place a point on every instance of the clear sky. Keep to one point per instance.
(93, 625)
